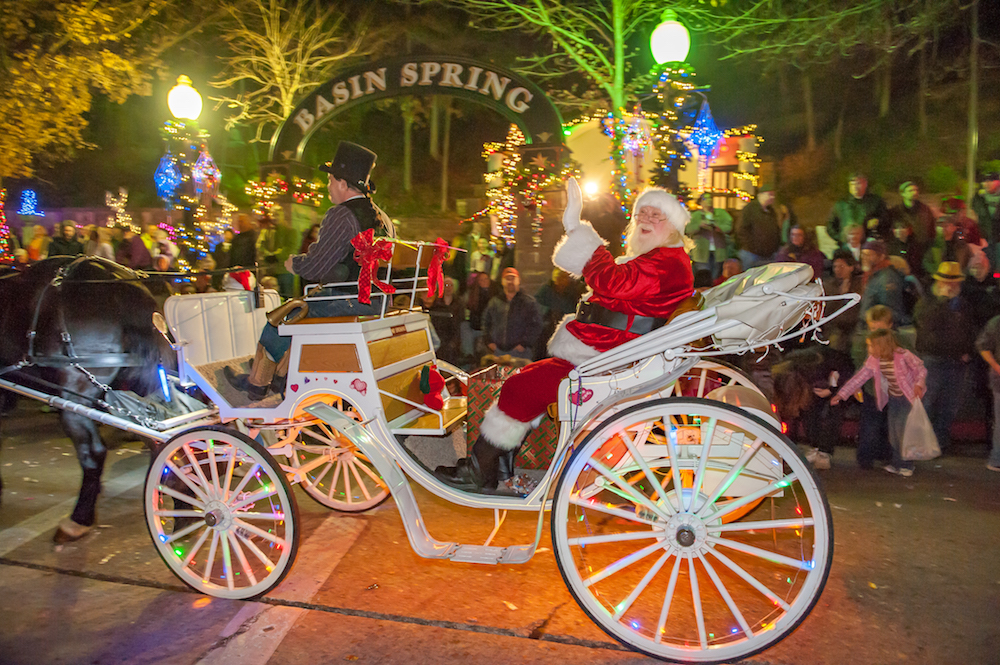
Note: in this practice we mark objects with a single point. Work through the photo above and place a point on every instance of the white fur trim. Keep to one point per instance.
(563, 344)
(501, 430)
(576, 247)
(667, 203)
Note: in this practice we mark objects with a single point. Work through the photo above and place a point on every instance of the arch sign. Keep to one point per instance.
(519, 100)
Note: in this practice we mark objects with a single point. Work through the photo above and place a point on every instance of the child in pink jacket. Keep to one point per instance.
(900, 379)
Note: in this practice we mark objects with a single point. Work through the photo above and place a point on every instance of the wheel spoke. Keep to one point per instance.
(639, 460)
(268, 564)
(190, 528)
(230, 467)
(246, 479)
(322, 474)
(169, 491)
(227, 564)
(741, 462)
(329, 441)
(263, 493)
(210, 563)
(357, 476)
(696, 599)
(643, 583)
(623, 562)
(280, 542)
(726, 597)
(179, 513)
(199, 492)
(241, 557)
(667, 598)
(748, 498)
(347, 486)
(194, 550)
(701, 382)
(193, 459)
(260, 516)
(615, 537)
(634, 495)
(764, 525)
(773, 557)
(675, 471)
(611, 510)
(363, 465)
(749, 579)
(699, 477)
(216, 488)
(333, 481)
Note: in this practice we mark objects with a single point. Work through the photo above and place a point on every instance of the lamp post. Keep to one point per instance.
(670, 41)
(183, 100)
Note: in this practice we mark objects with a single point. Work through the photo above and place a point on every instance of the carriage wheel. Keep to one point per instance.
(706, 376)
(221, 514)
(651, 559)
(339, 476)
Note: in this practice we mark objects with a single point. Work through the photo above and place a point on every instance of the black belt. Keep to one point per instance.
(587, 312)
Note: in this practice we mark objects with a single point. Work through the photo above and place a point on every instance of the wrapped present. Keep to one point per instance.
(484, 388)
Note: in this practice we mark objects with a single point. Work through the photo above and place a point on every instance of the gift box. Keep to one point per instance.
(484, 388)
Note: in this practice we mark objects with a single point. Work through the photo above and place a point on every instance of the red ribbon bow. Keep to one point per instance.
(368, 252)
(435, 277)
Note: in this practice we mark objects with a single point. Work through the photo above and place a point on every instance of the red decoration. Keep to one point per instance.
(368, 252)
(435, 384)
(435, 277)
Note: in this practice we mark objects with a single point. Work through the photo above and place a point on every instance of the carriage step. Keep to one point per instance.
(487, 554)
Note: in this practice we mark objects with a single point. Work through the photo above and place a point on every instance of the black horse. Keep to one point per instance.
(99, 313)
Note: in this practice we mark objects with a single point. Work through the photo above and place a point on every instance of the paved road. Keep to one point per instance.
(916, 578)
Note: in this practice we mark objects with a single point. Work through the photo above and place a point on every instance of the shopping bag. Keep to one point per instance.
(919, 442)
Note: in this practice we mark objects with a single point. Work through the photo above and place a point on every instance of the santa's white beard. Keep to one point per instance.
(638, 243)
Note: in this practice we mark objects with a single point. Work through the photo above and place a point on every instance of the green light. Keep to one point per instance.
(567, 132)
(670, 41)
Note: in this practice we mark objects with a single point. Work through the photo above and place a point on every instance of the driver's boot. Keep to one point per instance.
(281, 374)
(480, 470)
(506, 464)
(257, 383)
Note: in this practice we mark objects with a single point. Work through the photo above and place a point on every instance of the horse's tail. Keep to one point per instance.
(142, 341)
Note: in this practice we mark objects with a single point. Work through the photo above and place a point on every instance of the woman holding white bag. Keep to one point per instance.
(900, 380)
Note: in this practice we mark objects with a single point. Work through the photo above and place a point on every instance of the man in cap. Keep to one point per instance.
(860, 207)
(919, 216)
(759, 231)
(883, 283)
(512, 321)
(330, 259)
(946, 336)
(629, 296)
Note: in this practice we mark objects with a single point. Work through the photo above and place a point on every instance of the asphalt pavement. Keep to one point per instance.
(916, 577)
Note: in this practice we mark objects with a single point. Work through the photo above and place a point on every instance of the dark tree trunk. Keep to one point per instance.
(807, 98)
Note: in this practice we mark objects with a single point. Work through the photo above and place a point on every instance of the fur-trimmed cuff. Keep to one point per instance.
(575, 249)
(563, 344)
(501, 430)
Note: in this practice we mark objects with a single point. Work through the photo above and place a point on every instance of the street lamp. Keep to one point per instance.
(670, 41)
(183, 100)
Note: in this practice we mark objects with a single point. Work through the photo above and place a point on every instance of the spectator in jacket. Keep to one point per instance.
(946, 337)
(759, 231)
(446, 314)
(843, 281)
(38, 246)
(916, 214)
(883, 285)
(243, 251)
(99, 243)
(709, 229)
(986, 205)
(512, 321)
(801, 248)
(948, 246)
(980, 290)
(905, 244)
(220, 254)
(854, 236)
(988, 345)
(65, 243)
(860, 207)
(132, 251)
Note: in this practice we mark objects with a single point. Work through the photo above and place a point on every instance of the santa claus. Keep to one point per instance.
(628, 297)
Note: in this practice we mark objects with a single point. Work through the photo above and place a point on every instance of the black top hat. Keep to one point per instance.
(352, 163)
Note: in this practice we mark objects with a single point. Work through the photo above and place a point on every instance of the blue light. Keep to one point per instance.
(167, 177)
(29, 204)
(164, 384)
(706, 135)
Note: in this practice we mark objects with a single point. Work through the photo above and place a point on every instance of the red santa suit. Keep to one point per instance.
(630, 290)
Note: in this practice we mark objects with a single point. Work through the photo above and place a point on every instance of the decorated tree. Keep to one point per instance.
(6, 244)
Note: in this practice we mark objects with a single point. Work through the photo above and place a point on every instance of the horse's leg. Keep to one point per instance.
(91, 452)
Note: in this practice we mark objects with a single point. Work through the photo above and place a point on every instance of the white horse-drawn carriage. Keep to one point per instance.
(687, 527)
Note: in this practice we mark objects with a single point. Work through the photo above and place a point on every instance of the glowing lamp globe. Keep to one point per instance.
(183, 100)
(670, 41)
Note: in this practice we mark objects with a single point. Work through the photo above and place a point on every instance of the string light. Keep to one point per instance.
(205, 174)
(167, 177)
(6, 246)
(117, 204)
(29, 204)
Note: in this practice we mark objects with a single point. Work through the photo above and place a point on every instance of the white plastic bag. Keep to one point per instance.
(919, 442)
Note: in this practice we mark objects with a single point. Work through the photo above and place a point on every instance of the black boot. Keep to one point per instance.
(506, 469)
(478, 471)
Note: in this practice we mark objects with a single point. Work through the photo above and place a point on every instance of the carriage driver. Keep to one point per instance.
(329, 259)
(628, 296)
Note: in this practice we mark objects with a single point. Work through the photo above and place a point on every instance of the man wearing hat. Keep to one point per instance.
(860, 207)
(330, 259)
(512, 321)
(946, 336)
(759, 230)
(917, 213)
(629, 296)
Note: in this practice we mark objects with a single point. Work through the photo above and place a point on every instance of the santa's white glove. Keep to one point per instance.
(574, 206)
